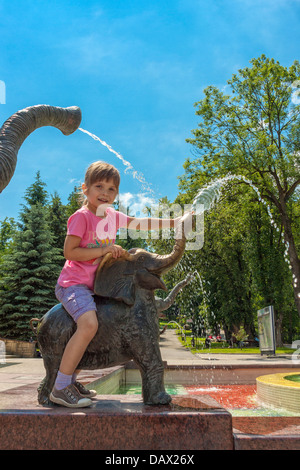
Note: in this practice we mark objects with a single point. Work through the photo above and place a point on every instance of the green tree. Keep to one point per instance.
(223, 268)
(7, 230)
(30, 273)
(34, 194)
(241, 264)
(255, 132)
(270, 274)
(57, 220)
(128, 242)
(74, 202)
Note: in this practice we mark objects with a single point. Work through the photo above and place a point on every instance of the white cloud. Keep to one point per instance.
(136, 204)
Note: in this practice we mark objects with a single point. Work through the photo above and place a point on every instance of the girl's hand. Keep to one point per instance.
(115, 250)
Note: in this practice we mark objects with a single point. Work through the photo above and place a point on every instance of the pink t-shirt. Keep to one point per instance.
(94, 233)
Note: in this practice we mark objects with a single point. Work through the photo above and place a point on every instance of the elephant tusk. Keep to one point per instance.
(108, 257)
(104, 260)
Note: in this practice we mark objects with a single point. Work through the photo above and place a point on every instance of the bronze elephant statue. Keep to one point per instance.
(128, 329)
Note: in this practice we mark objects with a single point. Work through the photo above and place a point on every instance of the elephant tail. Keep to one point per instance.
(34, 328)
(15, 130)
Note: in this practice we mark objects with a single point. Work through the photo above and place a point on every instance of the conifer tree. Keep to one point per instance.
(30, 268)
(34, 194)
(57, 219)
(30, 273)
(74, 202)
(7, 230)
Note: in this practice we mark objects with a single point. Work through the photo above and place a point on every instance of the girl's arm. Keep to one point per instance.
(151, 223)
(74, 252)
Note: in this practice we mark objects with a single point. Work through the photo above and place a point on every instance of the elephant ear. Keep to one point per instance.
(114, 279)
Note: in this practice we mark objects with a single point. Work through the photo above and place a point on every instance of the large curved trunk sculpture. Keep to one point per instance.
(15, 130)
(165, 263)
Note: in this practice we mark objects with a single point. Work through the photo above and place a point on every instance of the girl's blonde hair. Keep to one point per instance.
(99, 171)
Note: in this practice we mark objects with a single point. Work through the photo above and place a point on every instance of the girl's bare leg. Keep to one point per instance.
(87, 326)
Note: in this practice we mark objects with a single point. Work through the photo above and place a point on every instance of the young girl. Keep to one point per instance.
(82, 251)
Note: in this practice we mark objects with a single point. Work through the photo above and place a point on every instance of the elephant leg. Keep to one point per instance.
(153, 388)
(45, 387)
(152, 373)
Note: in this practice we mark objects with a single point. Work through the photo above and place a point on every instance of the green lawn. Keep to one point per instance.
(216, 348)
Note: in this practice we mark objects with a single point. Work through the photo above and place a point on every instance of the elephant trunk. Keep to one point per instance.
(15, 130)
(164, 304)
(164, 263)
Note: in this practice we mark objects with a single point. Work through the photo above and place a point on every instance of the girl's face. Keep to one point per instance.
(101, 192)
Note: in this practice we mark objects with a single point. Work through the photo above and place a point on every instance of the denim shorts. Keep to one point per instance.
(77, 299)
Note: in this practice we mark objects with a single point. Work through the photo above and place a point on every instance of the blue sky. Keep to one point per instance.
(135, 68)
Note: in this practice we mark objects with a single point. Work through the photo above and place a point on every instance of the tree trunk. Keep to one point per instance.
(278, 329)
(292, 251)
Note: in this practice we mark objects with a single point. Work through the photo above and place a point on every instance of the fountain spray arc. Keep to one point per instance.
(129, 168)
(209, 195)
